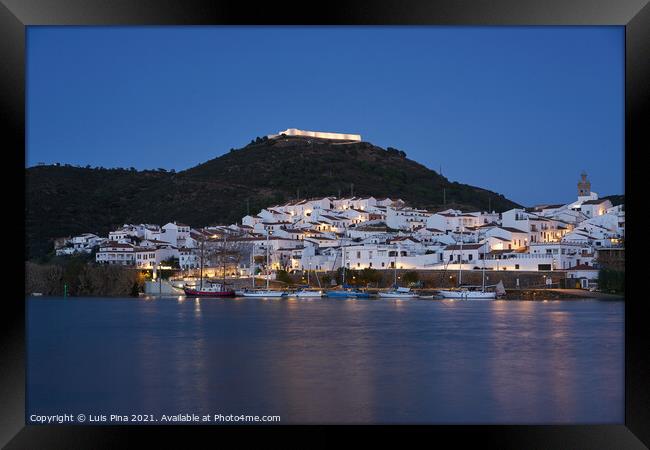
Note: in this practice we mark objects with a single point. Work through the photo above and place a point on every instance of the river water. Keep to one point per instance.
(328, 361)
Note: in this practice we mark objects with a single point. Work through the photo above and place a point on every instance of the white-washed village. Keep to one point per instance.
(324, 234)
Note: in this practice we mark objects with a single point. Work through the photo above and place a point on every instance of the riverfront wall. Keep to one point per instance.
(433, 279)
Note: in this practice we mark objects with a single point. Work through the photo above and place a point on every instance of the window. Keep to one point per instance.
(470, 257)
(516, 266)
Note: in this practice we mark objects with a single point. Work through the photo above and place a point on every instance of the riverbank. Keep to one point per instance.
(79, 277)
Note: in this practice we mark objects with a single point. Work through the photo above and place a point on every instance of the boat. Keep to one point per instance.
(398, 292)
(464, 293)
(212, 290)
(307, 292)
(467, 292)
(261, 293)
(346, 291)
(268, 293)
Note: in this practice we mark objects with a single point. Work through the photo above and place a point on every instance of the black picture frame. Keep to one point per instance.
(15, 15)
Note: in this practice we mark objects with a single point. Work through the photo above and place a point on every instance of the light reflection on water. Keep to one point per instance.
(330, 360)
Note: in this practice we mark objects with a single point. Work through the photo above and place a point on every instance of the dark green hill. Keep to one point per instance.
(65, 200)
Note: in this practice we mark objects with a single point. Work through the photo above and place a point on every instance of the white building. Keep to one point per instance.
(112, 252)
(152, 257)
(406, 218)
(317, 135)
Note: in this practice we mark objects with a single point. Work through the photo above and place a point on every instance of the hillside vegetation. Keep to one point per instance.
(66, 200)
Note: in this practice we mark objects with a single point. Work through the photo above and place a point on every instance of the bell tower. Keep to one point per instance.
(584, 185)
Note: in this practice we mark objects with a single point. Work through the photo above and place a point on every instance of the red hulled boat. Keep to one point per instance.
(212, 290)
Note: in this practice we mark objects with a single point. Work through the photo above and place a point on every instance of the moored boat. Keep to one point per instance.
(348, 293)
(464, 292)
(307, 293)
(268, 292)
(467, 294)
(261, 293)
(399, 293)
(212, 290)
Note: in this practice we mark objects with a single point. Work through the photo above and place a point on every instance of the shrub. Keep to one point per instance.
(610, 280)
(283, 276)
(411, 277)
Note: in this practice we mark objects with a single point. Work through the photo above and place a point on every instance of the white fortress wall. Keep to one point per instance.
(318, 134)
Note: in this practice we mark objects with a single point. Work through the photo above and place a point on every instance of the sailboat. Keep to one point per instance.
(398, 292)
(213, 289)
(264, 292)
(307, 291)
(346, 291)
(467, 292)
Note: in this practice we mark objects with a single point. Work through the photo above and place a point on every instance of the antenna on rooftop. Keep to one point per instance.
(444, 197)
(351, 189)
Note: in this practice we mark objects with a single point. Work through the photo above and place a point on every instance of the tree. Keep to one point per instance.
(411, 277)
(172, 261)
(283, 276)
(612, 281)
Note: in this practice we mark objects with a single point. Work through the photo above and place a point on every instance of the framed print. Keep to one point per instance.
(354, 217)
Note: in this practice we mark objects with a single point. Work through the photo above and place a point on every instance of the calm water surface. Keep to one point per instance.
(329, 360)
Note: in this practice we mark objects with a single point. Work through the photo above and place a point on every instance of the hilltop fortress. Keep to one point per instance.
(317, 134)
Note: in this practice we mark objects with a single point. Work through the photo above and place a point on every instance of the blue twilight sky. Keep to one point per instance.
(518, 110)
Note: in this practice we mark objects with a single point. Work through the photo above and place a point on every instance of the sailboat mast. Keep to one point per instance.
(460, 267)
(267, 259)
(223, 257)
(396, 250)
(201, 269)
(343, 263)
(483, 288)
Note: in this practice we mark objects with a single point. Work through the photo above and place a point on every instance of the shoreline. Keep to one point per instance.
(511, 295)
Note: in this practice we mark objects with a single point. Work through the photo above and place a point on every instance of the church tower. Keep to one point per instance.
(584, 185)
